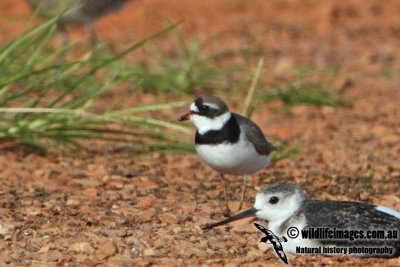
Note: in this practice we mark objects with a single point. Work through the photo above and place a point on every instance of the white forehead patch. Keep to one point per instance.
(194, 108)
(388, 211)
(205, 124)
(211, 105)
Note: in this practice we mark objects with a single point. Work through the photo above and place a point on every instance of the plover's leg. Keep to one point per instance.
(244, 187)
(93, 37)
(65, 42)
(227, 210)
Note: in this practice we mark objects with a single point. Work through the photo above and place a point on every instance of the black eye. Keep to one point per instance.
(204, 108)
(274, 200)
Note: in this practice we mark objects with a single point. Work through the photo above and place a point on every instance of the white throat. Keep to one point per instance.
(205, 124)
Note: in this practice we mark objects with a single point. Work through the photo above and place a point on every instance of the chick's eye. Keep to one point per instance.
(273, 200)
(204, 108)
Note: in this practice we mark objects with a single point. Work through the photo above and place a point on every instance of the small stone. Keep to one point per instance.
(146, 215)
(80, 258)
(5, 256)
(116, 184)
(395, 174)
(51, 255)
(188, 208)
(263, 247)
(132, 240)
(146, 202)
(90, 192)
(33, 211)
(168, 218)
(100, 171)
(149, 252)
(119, 260)
(64, 258)
(254, 253)
(36, 264)
(106, 250)
(73, 202)
(391, 139)
(5, 229)
(115, 232)
(81, 247)
(46, 248)
(379, 130)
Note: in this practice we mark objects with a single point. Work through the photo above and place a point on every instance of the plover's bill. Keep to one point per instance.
(228, 142)
(363, 229)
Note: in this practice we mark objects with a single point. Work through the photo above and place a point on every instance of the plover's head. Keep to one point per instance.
(274, 203)
(207, 113)
(278, 201)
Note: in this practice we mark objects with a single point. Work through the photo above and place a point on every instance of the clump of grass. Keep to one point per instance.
(307, 85)
(390, 73)
(307, 93)
(183, 72)
(285, 149)
(52, 106)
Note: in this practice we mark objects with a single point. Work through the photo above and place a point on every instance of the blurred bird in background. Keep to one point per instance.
(81, 12)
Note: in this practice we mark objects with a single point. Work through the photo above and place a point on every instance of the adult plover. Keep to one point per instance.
(228, 142)
(333, 227)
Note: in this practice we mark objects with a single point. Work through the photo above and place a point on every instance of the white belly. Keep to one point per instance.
(239, 159)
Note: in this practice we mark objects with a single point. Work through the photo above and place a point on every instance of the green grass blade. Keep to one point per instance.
(109, 61)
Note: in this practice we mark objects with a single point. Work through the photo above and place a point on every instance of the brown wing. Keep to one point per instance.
(255, 135)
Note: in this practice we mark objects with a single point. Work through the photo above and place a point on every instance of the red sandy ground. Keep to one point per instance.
(128, 210)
